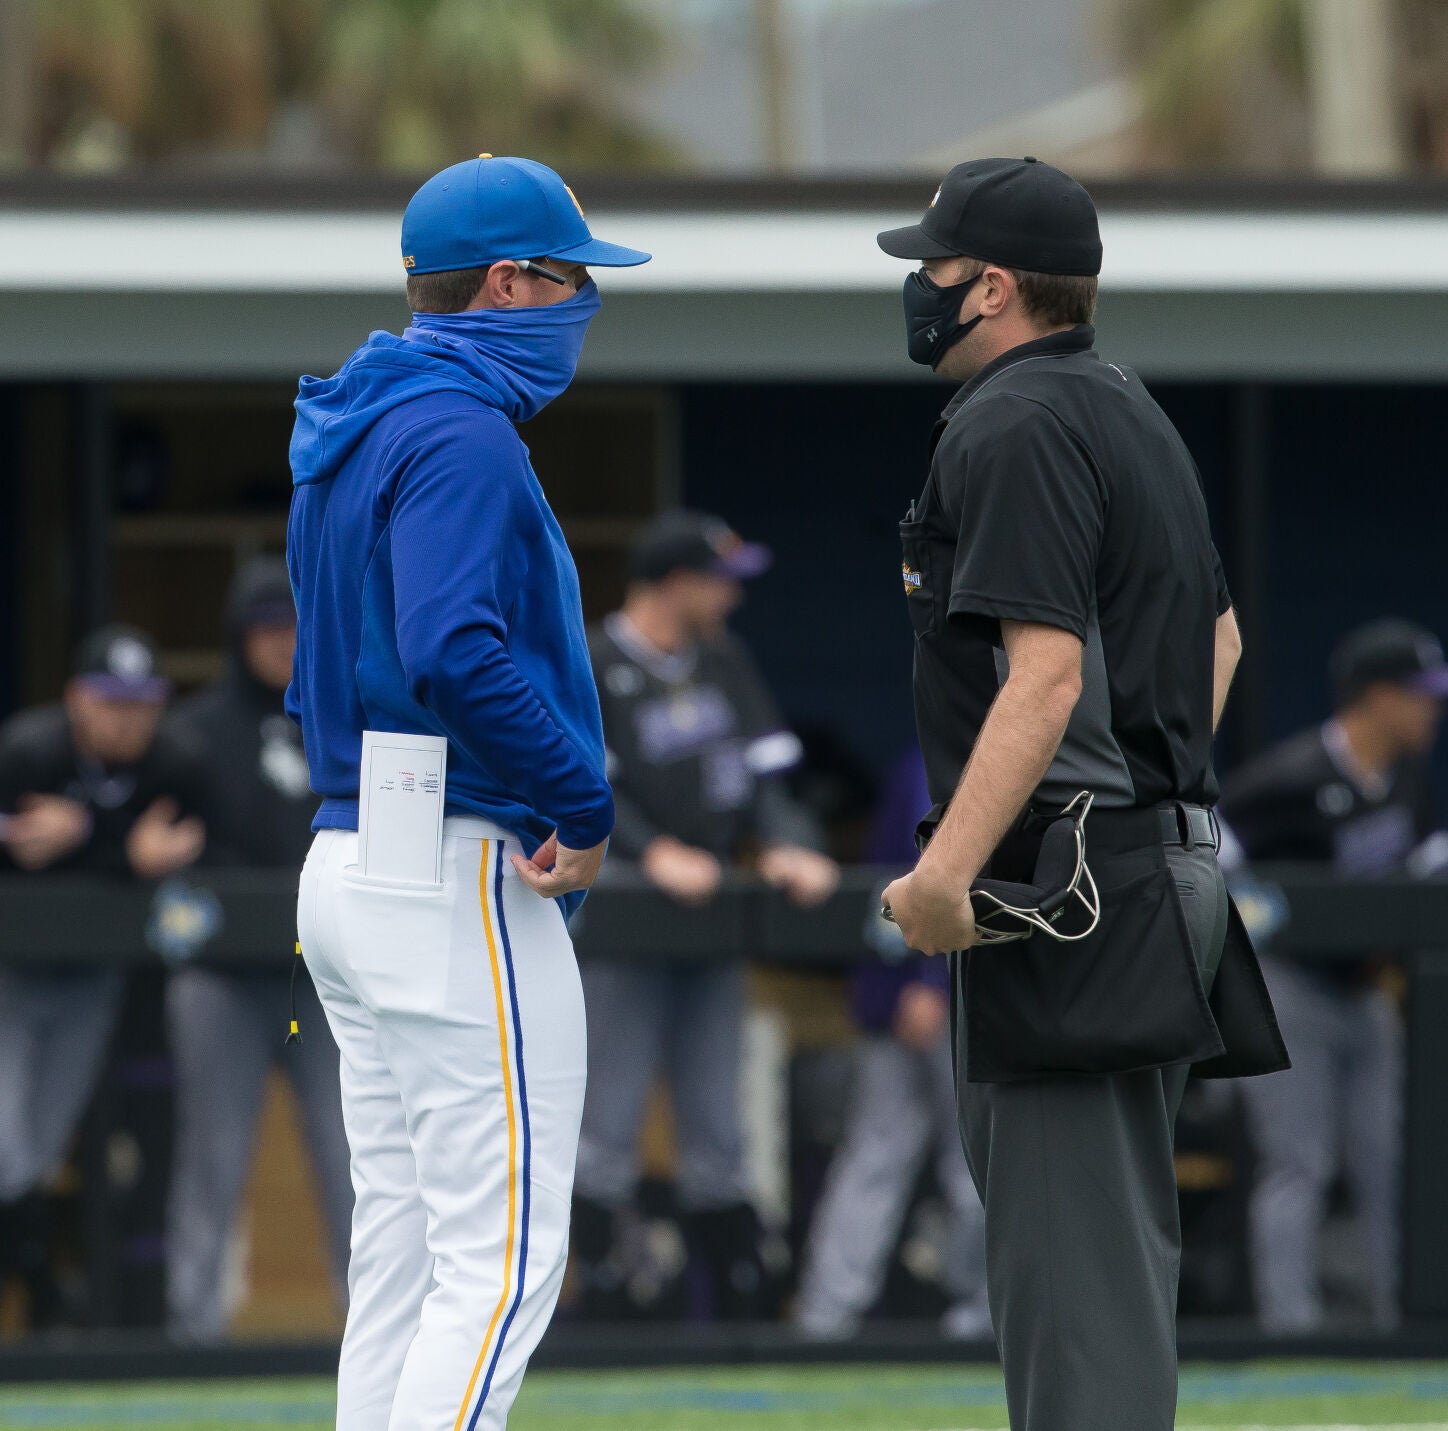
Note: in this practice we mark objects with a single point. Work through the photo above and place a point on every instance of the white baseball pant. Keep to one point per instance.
(459, 1016)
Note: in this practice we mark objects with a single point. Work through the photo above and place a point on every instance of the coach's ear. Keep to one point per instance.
(503, 287)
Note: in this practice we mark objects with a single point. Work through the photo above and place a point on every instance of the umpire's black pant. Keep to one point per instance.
(1083, 1242)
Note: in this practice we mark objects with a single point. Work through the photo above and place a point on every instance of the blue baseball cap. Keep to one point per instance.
(485, 210)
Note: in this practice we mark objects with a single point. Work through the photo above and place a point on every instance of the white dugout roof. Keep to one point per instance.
(749, 281)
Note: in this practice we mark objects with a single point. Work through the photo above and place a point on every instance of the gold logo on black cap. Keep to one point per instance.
(936, 199)
(408, 261)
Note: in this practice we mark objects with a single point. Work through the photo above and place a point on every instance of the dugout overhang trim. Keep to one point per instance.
(711, 251)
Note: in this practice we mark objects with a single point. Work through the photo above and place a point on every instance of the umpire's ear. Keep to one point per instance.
(992, 292)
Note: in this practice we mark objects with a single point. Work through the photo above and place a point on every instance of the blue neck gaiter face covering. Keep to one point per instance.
(526, 356)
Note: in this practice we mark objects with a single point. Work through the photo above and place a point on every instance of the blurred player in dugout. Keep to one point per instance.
(696, 750)
(88, 786)
(227, 1024)
(902, 1109)
(1353, 794)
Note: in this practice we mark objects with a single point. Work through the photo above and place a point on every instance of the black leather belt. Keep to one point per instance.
(1188, 825)
(1111, 830)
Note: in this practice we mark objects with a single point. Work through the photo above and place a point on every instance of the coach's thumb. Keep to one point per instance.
(546, 884)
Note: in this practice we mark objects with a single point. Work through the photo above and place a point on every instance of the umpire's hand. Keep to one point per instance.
(556, 869)
(933, 916)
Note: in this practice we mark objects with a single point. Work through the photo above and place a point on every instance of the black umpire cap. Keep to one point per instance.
(1388, 652)
(1019, 213)
(694, 541)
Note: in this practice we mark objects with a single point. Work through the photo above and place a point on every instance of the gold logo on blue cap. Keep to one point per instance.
(408, 261)
(576, 204)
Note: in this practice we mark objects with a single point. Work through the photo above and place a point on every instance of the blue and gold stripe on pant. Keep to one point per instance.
(510, 1047)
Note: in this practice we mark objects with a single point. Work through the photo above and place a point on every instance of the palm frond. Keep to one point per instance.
(402, 83)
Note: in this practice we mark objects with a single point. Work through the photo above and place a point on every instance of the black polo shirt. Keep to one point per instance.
(38, 757)
(1060, 493)
(1307, 800)
(696, 747)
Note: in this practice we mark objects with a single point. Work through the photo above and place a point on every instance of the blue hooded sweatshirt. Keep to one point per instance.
(435, 593)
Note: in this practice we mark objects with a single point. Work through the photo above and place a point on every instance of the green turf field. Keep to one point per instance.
(1312, 1396)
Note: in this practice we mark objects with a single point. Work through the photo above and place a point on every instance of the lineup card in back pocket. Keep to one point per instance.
(400, 803)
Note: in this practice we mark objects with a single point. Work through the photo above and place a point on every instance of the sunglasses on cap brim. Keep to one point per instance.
(531, 265)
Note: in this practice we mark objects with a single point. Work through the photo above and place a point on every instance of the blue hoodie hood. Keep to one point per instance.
(516, 360)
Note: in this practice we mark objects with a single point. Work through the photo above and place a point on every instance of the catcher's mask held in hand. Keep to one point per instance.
(1062, 881)
(1006, 911)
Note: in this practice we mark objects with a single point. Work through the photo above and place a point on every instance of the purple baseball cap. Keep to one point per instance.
(694, 541)
(120, 663)
(1393, 652)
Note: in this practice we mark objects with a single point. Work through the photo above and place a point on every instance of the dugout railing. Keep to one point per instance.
(246, 918)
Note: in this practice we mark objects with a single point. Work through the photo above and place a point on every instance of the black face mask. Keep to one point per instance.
(932, 317)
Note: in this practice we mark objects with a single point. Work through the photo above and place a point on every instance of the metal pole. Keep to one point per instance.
(93, 506)
(1351, 81)
(1251, 423)
(1425, 1190)
(12, 642)
(771, 41)
(17, 82)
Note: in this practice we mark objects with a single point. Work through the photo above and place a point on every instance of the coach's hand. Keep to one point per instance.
(556, 869)
(932, 915)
